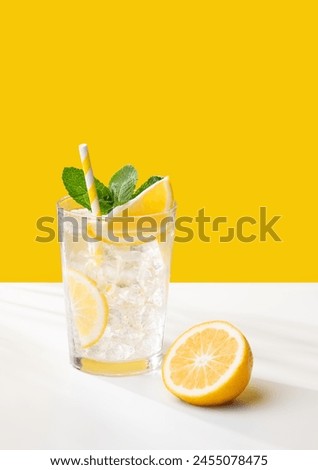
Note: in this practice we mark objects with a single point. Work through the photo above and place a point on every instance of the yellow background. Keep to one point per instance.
(222, 96)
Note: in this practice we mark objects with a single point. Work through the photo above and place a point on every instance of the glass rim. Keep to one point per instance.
(63, 199)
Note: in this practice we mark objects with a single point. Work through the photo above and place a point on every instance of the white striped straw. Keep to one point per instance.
(89, 179)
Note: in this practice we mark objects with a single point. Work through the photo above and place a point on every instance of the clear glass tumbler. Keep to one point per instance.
(116, 276)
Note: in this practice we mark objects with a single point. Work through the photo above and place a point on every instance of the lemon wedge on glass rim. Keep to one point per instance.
(153, 200)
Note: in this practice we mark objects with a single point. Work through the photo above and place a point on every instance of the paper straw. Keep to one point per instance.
(89, 179)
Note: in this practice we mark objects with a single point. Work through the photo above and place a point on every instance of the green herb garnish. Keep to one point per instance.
(121, 188)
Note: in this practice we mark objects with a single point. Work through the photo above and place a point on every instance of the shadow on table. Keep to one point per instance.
(280, 415)
(253, 395)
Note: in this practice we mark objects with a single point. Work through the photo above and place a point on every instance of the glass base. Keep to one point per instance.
(139, 366)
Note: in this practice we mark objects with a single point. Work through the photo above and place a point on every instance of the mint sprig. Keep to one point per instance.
(122, 187)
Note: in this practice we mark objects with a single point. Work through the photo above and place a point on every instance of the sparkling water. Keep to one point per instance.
(134, 279)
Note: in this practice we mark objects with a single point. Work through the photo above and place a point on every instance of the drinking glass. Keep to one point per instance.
(116, 276)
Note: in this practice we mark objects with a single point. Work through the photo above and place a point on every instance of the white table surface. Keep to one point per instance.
(46, 404)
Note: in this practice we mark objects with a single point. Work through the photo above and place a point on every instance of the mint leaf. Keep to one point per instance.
(122, 184)
(75, 185)
(102, 191)
(150, 181)
(105, 206)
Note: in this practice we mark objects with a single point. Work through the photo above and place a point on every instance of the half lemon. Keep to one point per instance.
(209, 364)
